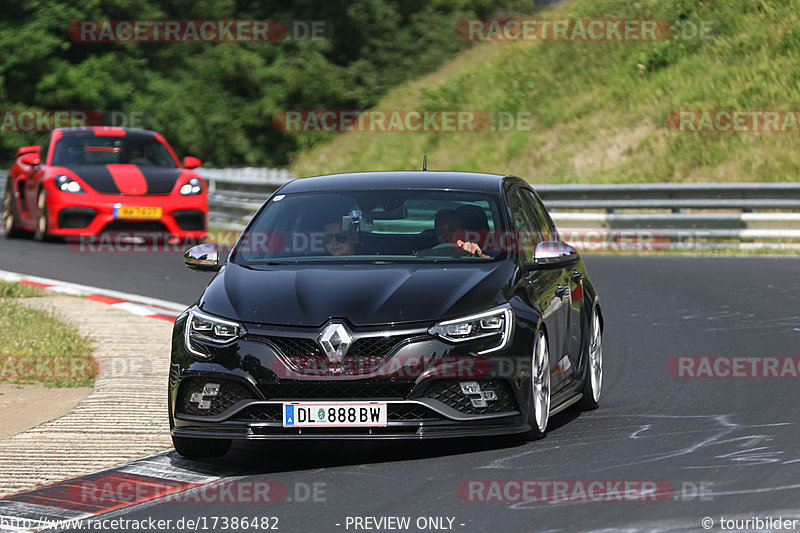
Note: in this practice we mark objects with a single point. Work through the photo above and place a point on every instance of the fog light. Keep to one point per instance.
(210, 390)
(470, 387)
(478, 402)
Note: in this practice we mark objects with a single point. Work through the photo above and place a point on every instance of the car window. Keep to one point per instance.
(396, 225)
(89, 149)
(539, 214)
(528, 233)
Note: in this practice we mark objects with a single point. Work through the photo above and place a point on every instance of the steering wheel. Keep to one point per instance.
(447, 249)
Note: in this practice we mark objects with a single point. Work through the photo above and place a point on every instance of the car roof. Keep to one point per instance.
(418, 179)
(92, 129)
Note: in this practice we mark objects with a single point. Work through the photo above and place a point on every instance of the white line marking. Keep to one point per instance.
(87, 289)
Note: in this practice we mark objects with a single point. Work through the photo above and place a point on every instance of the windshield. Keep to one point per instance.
(88, 149)
(382, 225)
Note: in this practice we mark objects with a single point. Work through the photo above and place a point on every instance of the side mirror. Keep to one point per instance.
(554, 253)
(203, 258)
(28, 150)
(30, 159)
(191, 162)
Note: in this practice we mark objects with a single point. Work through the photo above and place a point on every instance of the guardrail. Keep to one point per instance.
(686, 215)
(234, 194)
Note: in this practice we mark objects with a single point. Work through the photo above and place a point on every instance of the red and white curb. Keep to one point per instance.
(133, 303)
(63, 504)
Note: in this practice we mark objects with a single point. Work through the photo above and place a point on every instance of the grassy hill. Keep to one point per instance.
(600, 109)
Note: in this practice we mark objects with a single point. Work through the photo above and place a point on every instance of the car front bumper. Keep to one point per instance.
(91, 213)
(425, 401)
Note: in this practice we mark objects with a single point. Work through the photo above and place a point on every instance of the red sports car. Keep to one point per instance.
(84, 181)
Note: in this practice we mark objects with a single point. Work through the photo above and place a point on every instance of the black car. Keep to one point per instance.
(386, 305)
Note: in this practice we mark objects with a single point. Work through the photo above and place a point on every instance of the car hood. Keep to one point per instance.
(126, 178)
(364, 295)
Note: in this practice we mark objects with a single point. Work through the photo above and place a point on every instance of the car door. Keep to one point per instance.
(567, 359)
(541, 284)
(30, 186)
(576, 273)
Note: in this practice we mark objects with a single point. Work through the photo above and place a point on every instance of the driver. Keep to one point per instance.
(137, 157)
(448, 224)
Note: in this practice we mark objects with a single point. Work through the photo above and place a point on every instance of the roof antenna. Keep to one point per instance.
(425, 162)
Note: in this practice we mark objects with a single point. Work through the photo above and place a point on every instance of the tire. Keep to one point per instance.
(539, 397)
(10, 217)
(42, 232)
(593, 376)
(192, 448)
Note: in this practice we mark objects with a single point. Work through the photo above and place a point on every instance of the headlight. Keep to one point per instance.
(67, 184)
(209, 329)
(193, 186)
(498, 322)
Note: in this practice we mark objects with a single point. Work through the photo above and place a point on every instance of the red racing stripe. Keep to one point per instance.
(128, 179)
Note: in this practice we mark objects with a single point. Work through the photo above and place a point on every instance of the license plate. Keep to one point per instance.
(148, 213)
(334, 414)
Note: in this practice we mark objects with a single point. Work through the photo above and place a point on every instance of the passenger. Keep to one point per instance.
(337, 241)
(137, 157)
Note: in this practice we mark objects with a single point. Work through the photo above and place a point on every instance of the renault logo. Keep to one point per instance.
(335, 340)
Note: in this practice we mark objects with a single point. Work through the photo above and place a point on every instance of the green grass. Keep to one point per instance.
(37, 347)
(18, 290)
(596, 117)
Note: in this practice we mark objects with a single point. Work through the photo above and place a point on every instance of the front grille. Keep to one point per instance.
(298, 390)
(148, 226)
(294, 346)
(230, 393)
(305, 356)
(260, 413)
(377, 346)
(448, 391)
(396, 413)
(320, 365)
(399, 412)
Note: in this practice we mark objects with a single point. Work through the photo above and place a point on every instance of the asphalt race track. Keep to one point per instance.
(721, 447)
